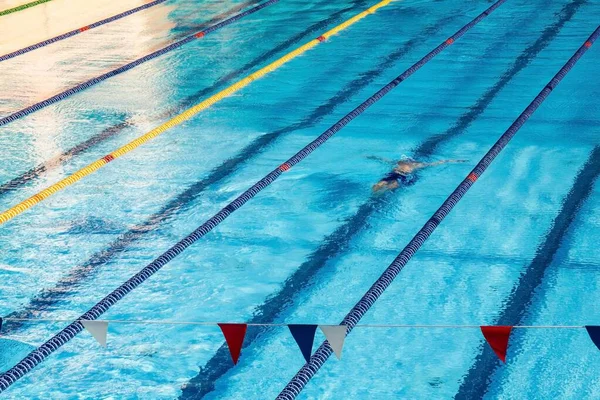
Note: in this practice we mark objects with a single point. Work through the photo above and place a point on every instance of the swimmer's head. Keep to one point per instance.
(405, 166)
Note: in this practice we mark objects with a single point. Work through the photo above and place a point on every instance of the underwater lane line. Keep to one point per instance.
(523, 60)
(316, 361)
(91, 82)
(77, 31)
(184, 116)
(79, 274)
(339, 240)
(22, 7)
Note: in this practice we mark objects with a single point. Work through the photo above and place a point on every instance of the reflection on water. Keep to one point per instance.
(42, 73)
(50, 19)
(47, 71)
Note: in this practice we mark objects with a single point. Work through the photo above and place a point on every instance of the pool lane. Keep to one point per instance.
(476, 381)
(305, 374)
(338, 241)
(79, 30)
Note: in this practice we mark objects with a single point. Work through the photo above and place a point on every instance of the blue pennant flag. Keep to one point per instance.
(304, 335)
(594, 332)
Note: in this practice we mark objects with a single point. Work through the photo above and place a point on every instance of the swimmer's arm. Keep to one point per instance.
(381, 159)
(419, 165)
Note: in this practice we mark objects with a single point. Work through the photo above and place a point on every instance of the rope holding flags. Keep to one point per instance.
(497, 337)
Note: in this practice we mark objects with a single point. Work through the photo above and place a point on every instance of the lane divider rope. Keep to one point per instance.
(22, 7)
(89, 83)
(184, 116)
(77, 31)
(42, 352)
(297, 383)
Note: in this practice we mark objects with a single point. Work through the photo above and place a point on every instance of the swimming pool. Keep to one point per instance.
(312, 219)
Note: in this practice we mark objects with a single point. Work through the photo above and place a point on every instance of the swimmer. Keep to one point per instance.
(403, 172)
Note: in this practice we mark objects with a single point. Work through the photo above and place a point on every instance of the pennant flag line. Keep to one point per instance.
(304, 335)
(98, 329)
(234, 336)
(497, 337)
(335, 335)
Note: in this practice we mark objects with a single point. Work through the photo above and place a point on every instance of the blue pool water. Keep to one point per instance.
(318, 226)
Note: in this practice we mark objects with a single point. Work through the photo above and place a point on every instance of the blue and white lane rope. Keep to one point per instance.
(297, 383)
(82, 86)
(41, 353)
(77, 31)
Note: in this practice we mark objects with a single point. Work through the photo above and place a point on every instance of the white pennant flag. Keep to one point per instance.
(335, 335)
(98, 329)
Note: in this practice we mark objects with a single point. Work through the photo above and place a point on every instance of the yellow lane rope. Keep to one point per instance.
(184, 116)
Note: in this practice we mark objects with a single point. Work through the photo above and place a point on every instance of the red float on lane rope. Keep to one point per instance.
(284, 167)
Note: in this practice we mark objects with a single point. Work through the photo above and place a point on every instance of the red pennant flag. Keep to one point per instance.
(497, 338)
(234, 336)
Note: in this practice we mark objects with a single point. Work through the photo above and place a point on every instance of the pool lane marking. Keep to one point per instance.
(91, 82)
(22, 7)
(184, 116)
(297, 383)
(77, 31)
